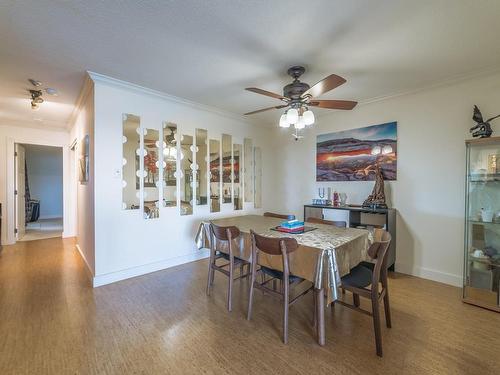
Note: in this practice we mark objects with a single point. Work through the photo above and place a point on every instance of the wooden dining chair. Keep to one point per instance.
(278, 216)
(225, 235)
(364, 282)
(275, 246)
(315, 220)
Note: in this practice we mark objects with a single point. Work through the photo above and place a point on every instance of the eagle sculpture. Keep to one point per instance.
(482, 129)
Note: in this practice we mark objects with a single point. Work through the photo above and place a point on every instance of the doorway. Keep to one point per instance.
(38, 191)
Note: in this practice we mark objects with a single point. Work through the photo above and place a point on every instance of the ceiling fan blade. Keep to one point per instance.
(267, 93)
(266, 109)
(325, 85)
(333, 104)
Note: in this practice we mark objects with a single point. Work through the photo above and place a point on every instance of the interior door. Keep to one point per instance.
(20, 191)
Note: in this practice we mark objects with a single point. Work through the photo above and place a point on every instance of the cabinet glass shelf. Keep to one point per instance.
(482, 199)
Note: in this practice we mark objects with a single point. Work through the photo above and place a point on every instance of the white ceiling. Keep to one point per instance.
(208, 51)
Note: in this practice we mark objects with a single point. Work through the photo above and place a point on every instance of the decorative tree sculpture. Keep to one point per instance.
(377, 198)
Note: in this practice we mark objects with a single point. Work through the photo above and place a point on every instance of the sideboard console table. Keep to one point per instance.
(363, 217)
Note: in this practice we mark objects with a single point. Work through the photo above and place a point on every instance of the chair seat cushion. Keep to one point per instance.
(279, 275)
(359, 277)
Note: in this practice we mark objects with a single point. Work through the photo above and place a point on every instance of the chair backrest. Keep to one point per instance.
(274, 245)
(224, 233)
(338, 224)
(278, 216)
(378, 251)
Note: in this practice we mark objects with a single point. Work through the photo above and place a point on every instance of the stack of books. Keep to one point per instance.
(291, 226)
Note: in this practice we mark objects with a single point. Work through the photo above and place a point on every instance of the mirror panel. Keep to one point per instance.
(238, 199)
(170, 154)
(248, 169)
(130, 161)
(227, 168)
(215, 175)
(186, 179)
(201, 165)
(257, 177)
(151, 175)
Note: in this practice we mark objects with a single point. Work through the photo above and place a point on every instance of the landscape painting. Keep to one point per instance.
(354, 155)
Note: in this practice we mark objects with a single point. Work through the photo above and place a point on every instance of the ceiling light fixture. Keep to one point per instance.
(36, 99)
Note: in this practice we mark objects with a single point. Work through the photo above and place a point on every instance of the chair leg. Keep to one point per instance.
(275, 283)
(241, 269)
(376, 325)
(284, 290)
(262, 280)
(355, 298)
(211, 271)
(315, 315)
(250, 297)
(387, 309)
(230, 289)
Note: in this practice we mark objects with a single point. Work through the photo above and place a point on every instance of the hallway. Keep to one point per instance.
(53, 322)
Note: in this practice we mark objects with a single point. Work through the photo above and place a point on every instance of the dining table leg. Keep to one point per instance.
(320, 318)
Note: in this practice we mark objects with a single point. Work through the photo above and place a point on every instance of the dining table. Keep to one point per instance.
(325, 254)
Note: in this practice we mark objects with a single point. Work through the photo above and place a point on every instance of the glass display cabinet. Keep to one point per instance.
(482, 223)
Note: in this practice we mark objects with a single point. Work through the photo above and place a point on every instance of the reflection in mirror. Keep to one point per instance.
(238, 201)
(227, 170)
(152, 166)
(169, 164)
(248, 170)
(257, 177)
(130, 161)
(186, 173)
(214, 150)
(201, 171)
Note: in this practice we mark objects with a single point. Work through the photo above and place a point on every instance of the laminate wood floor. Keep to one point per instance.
(53, 322)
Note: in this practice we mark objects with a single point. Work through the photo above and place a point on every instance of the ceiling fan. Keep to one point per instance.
(299, 96)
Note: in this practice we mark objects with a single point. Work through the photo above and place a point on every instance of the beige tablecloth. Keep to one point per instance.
(323, 257)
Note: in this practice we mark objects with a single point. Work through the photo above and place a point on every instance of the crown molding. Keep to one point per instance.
(445, 83)
(86, 89)
(97, 77)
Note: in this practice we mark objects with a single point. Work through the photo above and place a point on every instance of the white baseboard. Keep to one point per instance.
(90, 274)
(112, 277)
(427, 273)
(50, 217)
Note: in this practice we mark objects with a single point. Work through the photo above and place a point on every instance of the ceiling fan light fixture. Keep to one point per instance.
(34, 106)
(308, 117)
(283, 121)
(292, 116)
(300, 124)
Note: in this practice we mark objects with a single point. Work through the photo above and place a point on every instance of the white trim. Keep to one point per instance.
(430, 274)
(112, 277)
(96, 77)
(89, 272)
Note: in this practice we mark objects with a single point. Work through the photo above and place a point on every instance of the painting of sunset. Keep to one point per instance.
(353, 155)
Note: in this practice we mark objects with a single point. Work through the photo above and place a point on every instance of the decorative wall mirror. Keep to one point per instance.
(186, 180)
(151, 175)
(227, 169)
(170, 164)
(257, 177)
(248, 169)
(201, 164)
(238, 199)
(130, 161)
(215, 164)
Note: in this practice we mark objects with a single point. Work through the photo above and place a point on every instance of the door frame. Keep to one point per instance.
(68, 206)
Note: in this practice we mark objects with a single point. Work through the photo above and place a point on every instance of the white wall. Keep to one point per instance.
(429, 191)
(125, 243)
(20, 134)
(45, 178)
(83, 194)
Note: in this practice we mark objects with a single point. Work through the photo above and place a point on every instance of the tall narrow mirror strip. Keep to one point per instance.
(257, 177)
(131, 150)
(170, 154)
(227, 169)
(186, 180)
(248, 170)
(151, 175)
(238, 201)
(215, 175)
(201, 167)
